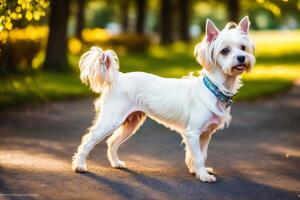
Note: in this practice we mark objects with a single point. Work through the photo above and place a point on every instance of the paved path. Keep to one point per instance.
(258, 157)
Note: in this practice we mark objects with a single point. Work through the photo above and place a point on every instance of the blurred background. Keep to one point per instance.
(41, 42)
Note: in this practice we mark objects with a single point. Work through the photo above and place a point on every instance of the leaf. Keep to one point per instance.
(28, 16)
(8, 25)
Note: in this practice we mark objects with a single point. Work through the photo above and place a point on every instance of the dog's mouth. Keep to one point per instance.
(240, 67)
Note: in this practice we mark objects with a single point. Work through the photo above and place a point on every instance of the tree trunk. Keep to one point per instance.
(124, 6)
(166, 26)
(233, 10)
(80, 18)
(56, 52)
(141, 16)
(183, 7)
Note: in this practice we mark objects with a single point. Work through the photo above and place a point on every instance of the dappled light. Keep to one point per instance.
(41, 162)
(288, 159)
(288, 152)
(279, 181)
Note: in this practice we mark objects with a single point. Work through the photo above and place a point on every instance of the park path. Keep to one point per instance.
(257, 157)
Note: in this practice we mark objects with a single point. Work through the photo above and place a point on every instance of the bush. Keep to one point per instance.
(104, 39)
(21, 49)
(20, 46)
(96, 35)
(132, 42)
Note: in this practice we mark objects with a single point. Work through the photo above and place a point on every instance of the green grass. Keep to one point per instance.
(39, 87)
(278, 65)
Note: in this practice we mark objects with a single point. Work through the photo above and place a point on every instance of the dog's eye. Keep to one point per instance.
(225, 51)
(243, 48)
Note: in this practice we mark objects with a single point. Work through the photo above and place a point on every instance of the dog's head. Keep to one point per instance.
(230, 49)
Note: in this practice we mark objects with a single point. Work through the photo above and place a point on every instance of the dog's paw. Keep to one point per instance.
(210, 170)
(192, 171)
(79, 168)
(119, 164)
(206, 178)
(77, 165)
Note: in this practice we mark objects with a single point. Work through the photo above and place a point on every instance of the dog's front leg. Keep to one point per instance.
(195, 158)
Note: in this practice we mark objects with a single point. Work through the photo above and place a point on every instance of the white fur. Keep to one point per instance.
(99, 68)
(184, 105)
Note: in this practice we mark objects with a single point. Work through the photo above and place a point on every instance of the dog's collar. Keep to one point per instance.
(227, 99)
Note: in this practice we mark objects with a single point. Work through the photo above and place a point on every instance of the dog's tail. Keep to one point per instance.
(99, 68)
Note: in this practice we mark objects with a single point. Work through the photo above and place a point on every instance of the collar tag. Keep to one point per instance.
(229, 103)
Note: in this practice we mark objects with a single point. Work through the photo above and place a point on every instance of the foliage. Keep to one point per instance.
(16, 10)
(264, 14)
(28, 33)
(96, 36)
(20, 47)
(23, 49)
(103, 38)
(74, 46)
(132, 42)
(102, 17)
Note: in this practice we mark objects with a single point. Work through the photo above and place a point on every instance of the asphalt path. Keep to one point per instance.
(257, 157)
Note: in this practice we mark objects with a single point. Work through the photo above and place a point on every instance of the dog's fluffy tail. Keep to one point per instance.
(99, 68)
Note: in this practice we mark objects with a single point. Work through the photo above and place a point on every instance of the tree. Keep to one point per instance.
(184, 10)
(56, 52)
(233, 7)
(124, 7)
(80, 18)
(18, 14)
(166, 25)
(25, 10)
(141, 16)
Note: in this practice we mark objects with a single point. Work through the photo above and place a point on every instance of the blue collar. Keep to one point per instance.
(217, 92)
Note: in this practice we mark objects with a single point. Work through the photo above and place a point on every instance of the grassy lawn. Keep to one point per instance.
(278, 65)
(39, 87)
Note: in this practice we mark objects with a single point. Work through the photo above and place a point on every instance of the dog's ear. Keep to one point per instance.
(211, 31)
(104, 59)
(200, 53)
(201, 50)
(111, 63)
(244, 25)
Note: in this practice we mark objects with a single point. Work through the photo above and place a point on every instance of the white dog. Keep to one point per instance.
(195, 107)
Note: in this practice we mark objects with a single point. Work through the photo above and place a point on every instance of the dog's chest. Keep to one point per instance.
(214, 122)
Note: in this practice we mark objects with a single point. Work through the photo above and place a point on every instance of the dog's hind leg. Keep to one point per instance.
(111, 117)
(129, 127)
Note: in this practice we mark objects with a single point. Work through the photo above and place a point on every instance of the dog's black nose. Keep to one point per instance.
(241, 59)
